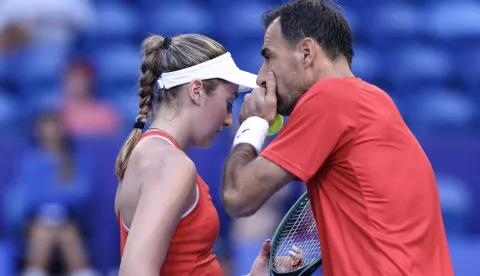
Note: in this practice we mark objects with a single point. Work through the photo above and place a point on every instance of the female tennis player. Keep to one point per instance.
(167, 220)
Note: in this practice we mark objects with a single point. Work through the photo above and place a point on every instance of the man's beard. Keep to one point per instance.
(286, 105)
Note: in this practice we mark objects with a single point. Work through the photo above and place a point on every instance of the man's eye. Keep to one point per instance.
(229, 107)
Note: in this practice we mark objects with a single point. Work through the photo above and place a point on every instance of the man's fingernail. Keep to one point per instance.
(268, 241)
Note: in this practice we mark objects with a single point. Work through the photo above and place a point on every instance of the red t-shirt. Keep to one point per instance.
(372, 188)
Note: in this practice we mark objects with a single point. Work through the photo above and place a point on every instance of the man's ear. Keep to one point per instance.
(196, 91)
(308, 51)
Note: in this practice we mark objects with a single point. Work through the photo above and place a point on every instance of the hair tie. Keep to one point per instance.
(139, 125)
(166, 43)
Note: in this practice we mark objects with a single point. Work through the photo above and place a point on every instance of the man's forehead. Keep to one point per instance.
(273, 33)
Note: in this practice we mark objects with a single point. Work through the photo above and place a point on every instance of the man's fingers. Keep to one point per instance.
(241, 115)
(297, 250)
(293, 254)
(271, 85)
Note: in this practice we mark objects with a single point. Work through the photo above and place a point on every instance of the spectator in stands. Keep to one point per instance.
(49, 22)
(53, 189)
(12, 37)
(83, 114)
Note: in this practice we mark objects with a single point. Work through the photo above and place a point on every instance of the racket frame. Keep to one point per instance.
(307, 270)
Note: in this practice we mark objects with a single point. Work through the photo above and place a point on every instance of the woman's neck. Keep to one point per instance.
(177, 127)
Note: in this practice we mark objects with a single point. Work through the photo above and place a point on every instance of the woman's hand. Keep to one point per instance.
(260, 267)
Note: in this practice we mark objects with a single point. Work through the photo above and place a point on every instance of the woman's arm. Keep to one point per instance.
(167, 184)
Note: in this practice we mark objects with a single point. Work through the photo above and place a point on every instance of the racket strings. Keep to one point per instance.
(300, 231)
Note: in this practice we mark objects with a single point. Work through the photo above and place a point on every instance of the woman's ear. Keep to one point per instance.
(196, 91)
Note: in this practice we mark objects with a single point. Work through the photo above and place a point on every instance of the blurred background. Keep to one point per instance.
(68, 99)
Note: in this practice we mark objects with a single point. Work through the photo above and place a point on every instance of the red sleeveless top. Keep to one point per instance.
(190, 249)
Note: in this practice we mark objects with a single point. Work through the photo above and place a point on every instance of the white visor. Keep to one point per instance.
(222, 67)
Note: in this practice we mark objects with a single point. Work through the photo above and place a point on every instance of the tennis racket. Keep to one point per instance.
(296, 245)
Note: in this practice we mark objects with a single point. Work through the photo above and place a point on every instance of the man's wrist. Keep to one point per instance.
(252, 131)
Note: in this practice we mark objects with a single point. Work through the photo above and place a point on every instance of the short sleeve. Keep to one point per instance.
(322, 122)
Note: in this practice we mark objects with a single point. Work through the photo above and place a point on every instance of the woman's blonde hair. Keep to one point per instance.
(184, 51)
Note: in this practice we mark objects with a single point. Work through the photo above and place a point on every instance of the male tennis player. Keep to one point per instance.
(371, 186)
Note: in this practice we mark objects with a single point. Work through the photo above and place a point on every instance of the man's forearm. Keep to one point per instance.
(240, 156)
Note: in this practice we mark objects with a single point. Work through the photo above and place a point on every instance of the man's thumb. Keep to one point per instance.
(265, 252)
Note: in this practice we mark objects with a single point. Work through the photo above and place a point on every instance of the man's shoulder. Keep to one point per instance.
(332, 93)
(335, 87)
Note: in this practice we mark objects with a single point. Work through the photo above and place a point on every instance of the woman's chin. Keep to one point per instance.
(205, 143)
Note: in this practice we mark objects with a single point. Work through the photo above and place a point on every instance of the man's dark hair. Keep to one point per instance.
(307, 18)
